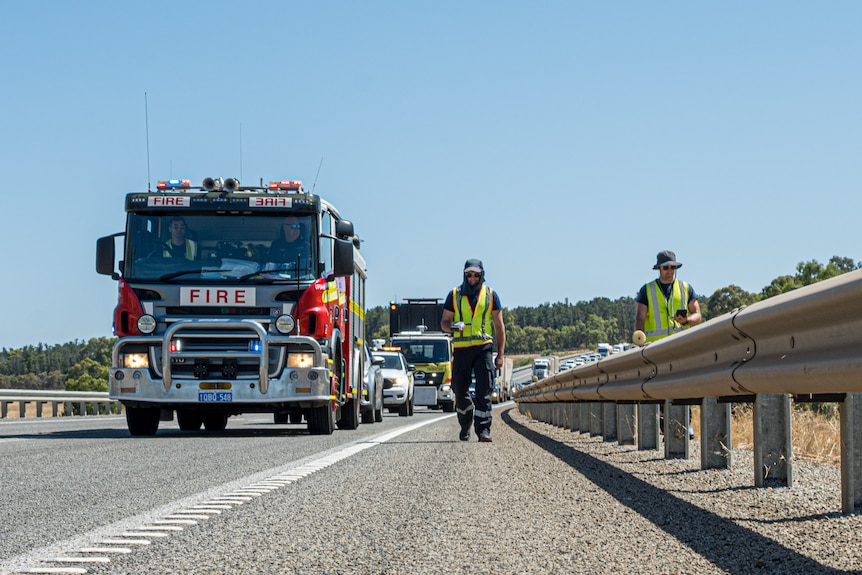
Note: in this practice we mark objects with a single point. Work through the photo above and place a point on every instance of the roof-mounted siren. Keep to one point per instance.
(286, 185)
(212, 184)
(231, 185)
(174, 185)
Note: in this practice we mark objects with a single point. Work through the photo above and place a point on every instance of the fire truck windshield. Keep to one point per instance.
(220, 247)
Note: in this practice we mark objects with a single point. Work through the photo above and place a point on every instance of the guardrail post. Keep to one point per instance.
(584, 417)
(38, 409)
(648, 429)
(576, 420)
(715, 435)
(595, 419)
(773, 448)
(609, 421)
(851, 452)
(626, 423)
(4, 409)
(22, 409)
(83, 406)
(676, 421)
(54, 408)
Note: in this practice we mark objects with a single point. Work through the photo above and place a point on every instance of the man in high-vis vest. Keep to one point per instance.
(666, 305)
(179, 246)
(472, 313)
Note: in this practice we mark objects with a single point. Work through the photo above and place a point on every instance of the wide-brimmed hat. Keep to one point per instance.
(666, 258)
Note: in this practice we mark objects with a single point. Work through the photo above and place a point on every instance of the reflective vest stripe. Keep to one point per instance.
(477, 322)
(191, 250)
(660, 311)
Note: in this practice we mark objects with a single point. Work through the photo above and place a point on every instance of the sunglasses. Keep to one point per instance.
(473, 275)
(293, 226)
(665, 268)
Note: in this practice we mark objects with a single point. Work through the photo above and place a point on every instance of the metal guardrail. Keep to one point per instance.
(88, 402)
(806, 343)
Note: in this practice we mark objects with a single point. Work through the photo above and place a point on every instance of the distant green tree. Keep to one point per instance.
(729, 298)
(87, 375)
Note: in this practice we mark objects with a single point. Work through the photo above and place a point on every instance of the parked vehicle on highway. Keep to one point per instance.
(397, 382)
(431, 353)
(371, 402)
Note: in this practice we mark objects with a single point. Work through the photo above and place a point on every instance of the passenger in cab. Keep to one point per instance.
(179, 246)
(291, 243)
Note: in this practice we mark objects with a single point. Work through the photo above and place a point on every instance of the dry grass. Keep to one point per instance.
(815, 437)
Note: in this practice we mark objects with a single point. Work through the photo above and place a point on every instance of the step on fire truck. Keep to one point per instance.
(219, 315)
(415, 329)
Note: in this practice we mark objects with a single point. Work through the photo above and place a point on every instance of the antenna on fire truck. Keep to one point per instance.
(317, 175)
(147, 122)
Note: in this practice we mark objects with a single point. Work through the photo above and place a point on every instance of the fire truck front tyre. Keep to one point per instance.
(321, 420)
(142, 421)
(188, 420)
(216, 422)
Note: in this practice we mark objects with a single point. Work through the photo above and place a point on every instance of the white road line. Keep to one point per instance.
(170, 517)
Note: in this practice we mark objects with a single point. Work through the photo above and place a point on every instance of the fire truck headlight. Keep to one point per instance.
(147, 324)
(300, 360)
(285, 323)
(136, 361)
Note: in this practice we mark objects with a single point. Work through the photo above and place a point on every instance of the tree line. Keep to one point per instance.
(546, 328)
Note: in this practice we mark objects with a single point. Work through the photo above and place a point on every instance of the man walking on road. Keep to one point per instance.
(472, 313)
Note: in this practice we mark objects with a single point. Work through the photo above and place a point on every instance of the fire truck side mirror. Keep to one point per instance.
(105, 256)
(343, 260)
(344, 229)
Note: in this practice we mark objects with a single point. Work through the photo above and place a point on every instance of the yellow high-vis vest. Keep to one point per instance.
(191, 250)
(477, 322)
(660, 310)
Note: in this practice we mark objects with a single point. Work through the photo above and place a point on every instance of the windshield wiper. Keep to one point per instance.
(173, 275)
(284, 268)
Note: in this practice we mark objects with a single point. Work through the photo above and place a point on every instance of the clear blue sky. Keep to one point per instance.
(564, 143)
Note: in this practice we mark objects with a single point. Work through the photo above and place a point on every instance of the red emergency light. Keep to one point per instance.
(174, 185)
(295, 185)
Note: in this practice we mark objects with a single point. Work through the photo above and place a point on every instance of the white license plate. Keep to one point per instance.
(215, 396)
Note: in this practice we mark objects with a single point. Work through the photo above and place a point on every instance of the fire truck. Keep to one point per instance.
(218, 314)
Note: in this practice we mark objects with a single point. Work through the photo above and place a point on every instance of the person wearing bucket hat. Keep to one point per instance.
(473, 314)
(666, 305)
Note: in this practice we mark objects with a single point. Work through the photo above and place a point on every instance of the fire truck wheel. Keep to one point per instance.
(321, 420)
(215, 422)
(349, 414)
(188, 420)
(142, 420)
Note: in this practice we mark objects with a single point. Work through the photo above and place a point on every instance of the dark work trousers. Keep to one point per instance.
(478, 360)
